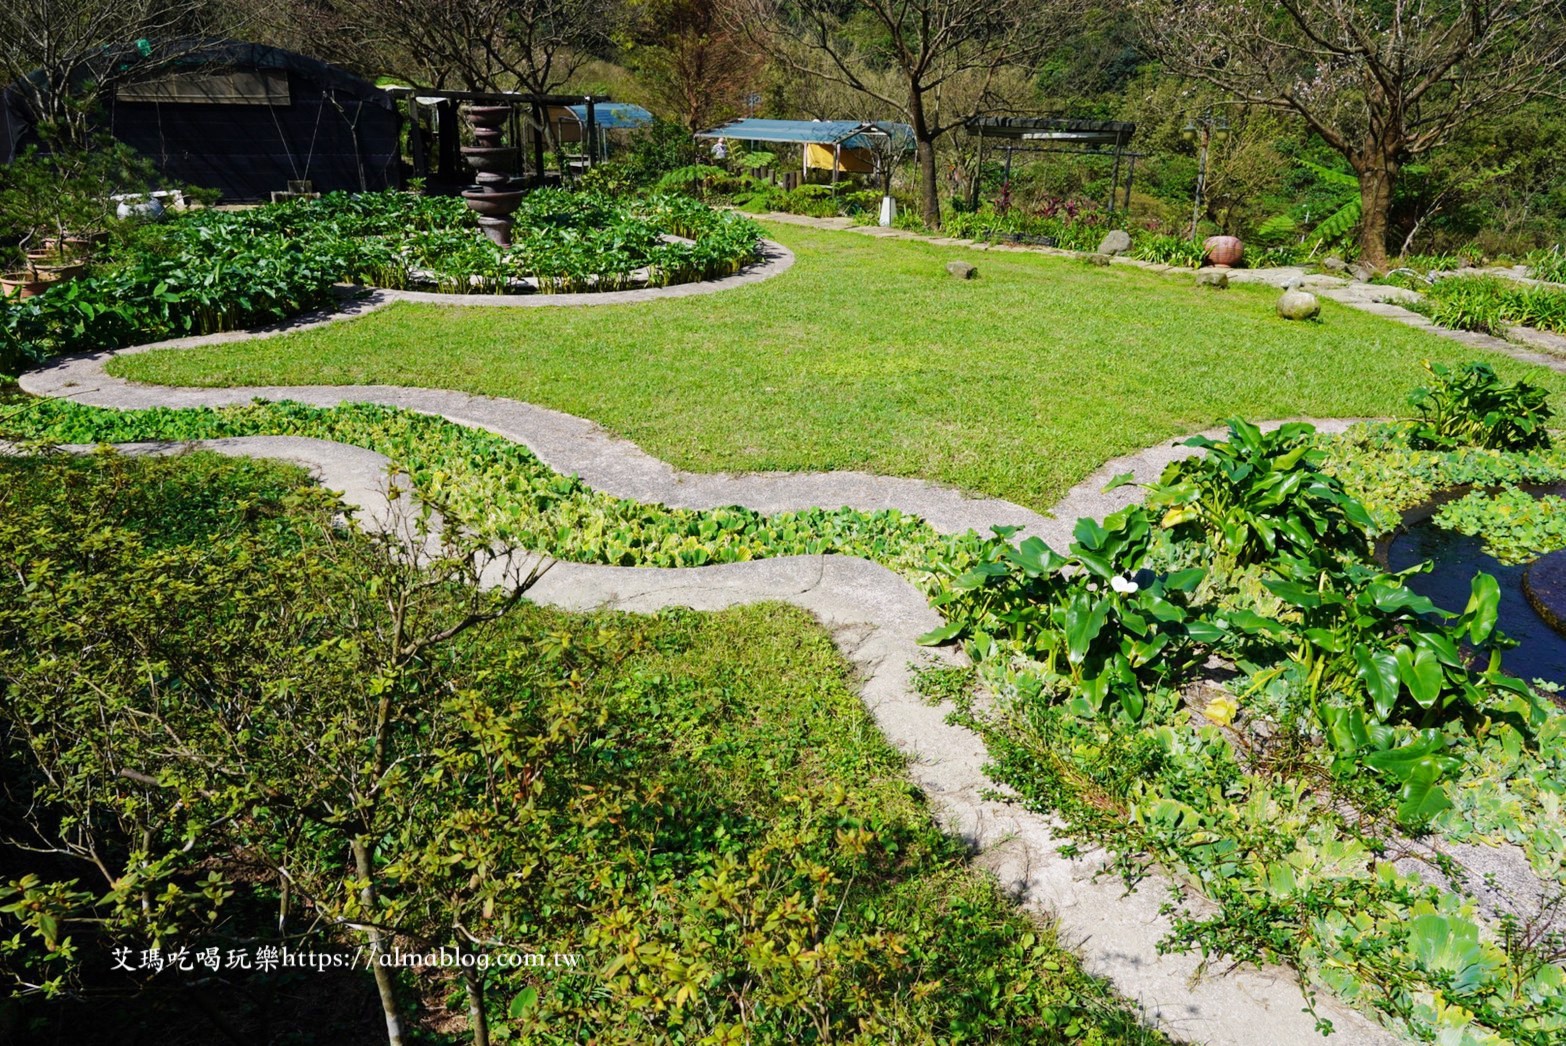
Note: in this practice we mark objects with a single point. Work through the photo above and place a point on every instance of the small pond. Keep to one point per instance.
(1457, 558)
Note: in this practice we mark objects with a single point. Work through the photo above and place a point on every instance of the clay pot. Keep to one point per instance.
(492, 204)
(28, 284)
(1223, 250)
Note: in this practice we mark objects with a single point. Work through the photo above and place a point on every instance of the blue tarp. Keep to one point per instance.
(613, 115)
(850, 134)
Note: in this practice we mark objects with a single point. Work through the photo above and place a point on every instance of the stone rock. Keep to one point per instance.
(1097, 258)
(962, 270)
(1298, 305)
(1545, 586)
(1293, 281)
(1332, 263)
(1218, 279)
(1117, 241)
(1361, 271)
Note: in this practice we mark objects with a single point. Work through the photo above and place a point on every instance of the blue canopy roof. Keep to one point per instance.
(849, 133)
(612, 115)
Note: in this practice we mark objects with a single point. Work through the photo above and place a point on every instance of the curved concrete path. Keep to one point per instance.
(875, 617)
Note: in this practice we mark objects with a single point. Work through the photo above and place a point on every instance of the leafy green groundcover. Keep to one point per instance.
(697, 805)
(1353, 719)
(502, 490)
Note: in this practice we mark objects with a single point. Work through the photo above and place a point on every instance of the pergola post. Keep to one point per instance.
(1114, 181)
(538, 140)
(421, 160)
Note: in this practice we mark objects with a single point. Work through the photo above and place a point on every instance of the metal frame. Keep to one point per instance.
(1076, 138)
(869, 130)
(451, 169)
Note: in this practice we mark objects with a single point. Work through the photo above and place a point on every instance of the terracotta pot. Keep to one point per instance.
(1224, 250)
(22, 285)
(27, 284)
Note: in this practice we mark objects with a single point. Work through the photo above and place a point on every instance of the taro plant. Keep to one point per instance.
(1105, 627)
(1468, 406)
(1374, 654)
(1258, 495)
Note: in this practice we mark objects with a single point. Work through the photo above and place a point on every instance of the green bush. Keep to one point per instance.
(1470, 407)
(1491, 304)
(1260, 495)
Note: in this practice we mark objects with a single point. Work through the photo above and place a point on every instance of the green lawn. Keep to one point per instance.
(866, 355)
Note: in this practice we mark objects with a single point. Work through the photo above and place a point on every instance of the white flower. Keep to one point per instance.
(1124, 585)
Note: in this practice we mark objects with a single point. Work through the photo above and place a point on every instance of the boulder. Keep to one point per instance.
(962, 270)
(1332, 263)
(1298, 305)
(1218, 279)
(1098, 258)
(1293, 281)
(1362, 272)
(1116, 242)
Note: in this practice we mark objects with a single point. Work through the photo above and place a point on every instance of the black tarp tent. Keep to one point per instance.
(238, 117)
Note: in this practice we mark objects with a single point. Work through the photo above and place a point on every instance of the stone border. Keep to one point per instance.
(875, 618)
(775, 259)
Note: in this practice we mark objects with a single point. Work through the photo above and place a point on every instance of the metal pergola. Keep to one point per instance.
(449, 168)
(1055, 134)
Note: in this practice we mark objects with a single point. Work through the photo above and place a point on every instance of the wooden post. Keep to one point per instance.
(1114, 182)
(447, 139)
(591, 133)
(538, 140)
(421, 160)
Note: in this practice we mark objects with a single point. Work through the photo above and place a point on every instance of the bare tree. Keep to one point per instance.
(914, 51)
(535, 46)
(1380, 82)
(691, 59)
(547, 41)
(65, 54)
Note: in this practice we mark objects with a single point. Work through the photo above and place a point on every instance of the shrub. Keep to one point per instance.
(1259, 495)
(1491, 304)
(1470, 407)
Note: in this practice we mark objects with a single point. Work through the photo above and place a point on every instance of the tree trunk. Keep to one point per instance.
(476, 1019)
(924, 152)
(383, 978)
(1377, 176)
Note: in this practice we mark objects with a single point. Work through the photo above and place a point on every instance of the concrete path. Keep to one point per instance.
(872, 614)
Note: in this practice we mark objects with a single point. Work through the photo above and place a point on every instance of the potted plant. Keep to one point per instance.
(56, 204)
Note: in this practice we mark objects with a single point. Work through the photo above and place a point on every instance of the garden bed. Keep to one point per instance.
(212, 271)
